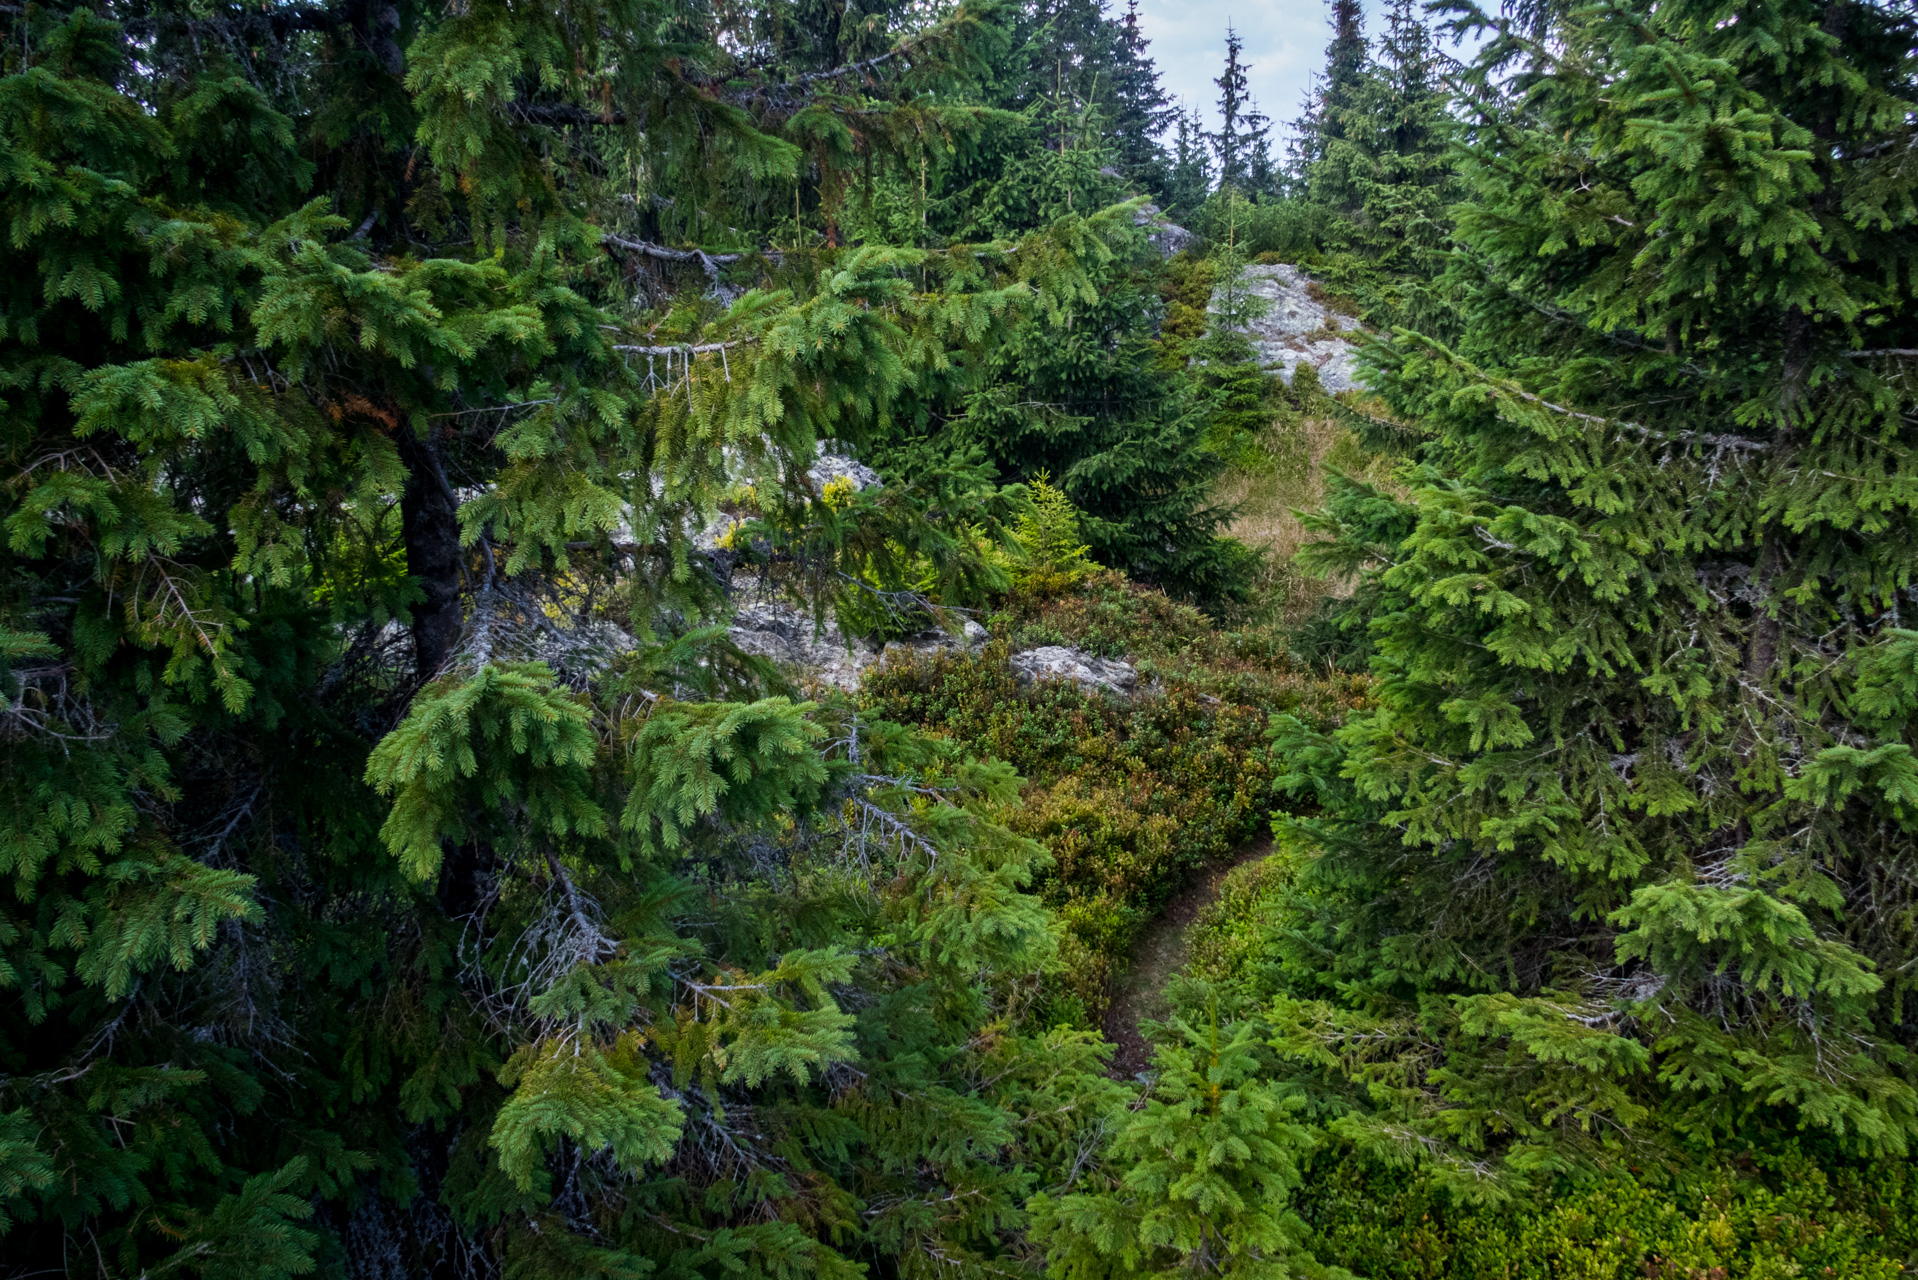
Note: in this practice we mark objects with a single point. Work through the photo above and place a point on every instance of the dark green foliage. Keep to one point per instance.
(1083, 400)
(409, 875)
(1586, 940)
(1616, 863)
(1791, 1208)
(1243, 139)
(1079, 397)
(1141, 112)
(1189, 171)
(1387, 171)
(1079, 57)
(1074, 79)
(1370, 176)
(1129, 442)
(406, 876)
(1358, 532)
(1204, 1172)
(1759, 1214)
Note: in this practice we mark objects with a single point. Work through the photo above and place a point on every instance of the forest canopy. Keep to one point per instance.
(429, 429)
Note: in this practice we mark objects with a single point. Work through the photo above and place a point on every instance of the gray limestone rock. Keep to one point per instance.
(1060, 662)
(837, 466)
(786, 634)
(1299, 329)
(1167, 237)
(831, 464)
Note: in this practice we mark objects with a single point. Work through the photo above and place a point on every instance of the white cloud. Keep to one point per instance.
(1284, 45)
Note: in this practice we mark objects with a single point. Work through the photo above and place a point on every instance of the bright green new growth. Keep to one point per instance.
(1204, 1173)
(1048, 536)
(504, 740)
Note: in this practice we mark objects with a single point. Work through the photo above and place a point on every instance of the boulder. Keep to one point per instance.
(1298, 329)
(785, 634)
(1168, 237)
(1061, 662)
(829, 467)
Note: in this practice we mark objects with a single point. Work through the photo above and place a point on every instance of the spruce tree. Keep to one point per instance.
(1189, 181)
(1383, 163)
(1075, 53)
(1323, 120)
(1379, 154)
(408, 877)
(1242, 140)
(1200, 1176)
(1621, 860)
(1142, 112)
(1126, 439)
(1345, 55)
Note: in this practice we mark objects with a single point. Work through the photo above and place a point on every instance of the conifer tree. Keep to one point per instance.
(1190, 176)
(1201, 1175)
(1075, 53)
(1406, 191)
(1323, 119)
(1127, 440)
(1142, 112)
(1346, 55)
(1380, 152)
(1242, 140)
(407, 875)
(1621, 859)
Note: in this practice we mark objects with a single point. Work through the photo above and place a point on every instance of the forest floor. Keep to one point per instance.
(1139, 994)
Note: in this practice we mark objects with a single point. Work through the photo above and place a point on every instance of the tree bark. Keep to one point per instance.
(429, 523)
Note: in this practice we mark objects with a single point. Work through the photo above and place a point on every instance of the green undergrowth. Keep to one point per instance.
(1679, 1211)
(1764, 1214)
(1130, 796)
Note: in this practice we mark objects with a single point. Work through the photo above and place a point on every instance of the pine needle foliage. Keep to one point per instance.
(1048, 534)
(1619, 861)
(1205, 1172)
(406, 874)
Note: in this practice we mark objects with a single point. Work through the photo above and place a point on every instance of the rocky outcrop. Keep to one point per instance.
(829, 467)
(1165, 236)
(1298, 328)
(1060, 662)
(787, 635)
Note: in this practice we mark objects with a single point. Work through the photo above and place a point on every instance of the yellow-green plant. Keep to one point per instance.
(1047, 534)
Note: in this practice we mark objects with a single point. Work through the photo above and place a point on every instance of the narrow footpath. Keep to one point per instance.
(1139, 993)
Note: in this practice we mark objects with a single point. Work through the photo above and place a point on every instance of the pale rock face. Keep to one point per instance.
(1168, 238)
(826, 468)
(785, 634)
(1059, 662)
(833, 466)
(1297, 329)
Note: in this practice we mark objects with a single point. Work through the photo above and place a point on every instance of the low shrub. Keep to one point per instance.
(1761, 1214)
(1130, 796)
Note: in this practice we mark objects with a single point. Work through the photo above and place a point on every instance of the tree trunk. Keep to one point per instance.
(429, 522)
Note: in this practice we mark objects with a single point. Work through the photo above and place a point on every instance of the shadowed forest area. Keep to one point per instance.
(821, 639)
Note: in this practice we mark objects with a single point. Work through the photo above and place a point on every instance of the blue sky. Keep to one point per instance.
(1284, 43)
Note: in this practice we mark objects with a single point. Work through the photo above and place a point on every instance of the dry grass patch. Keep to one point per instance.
(1289, 477)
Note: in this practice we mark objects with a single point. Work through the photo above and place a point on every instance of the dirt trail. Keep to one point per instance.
(1139, 993)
